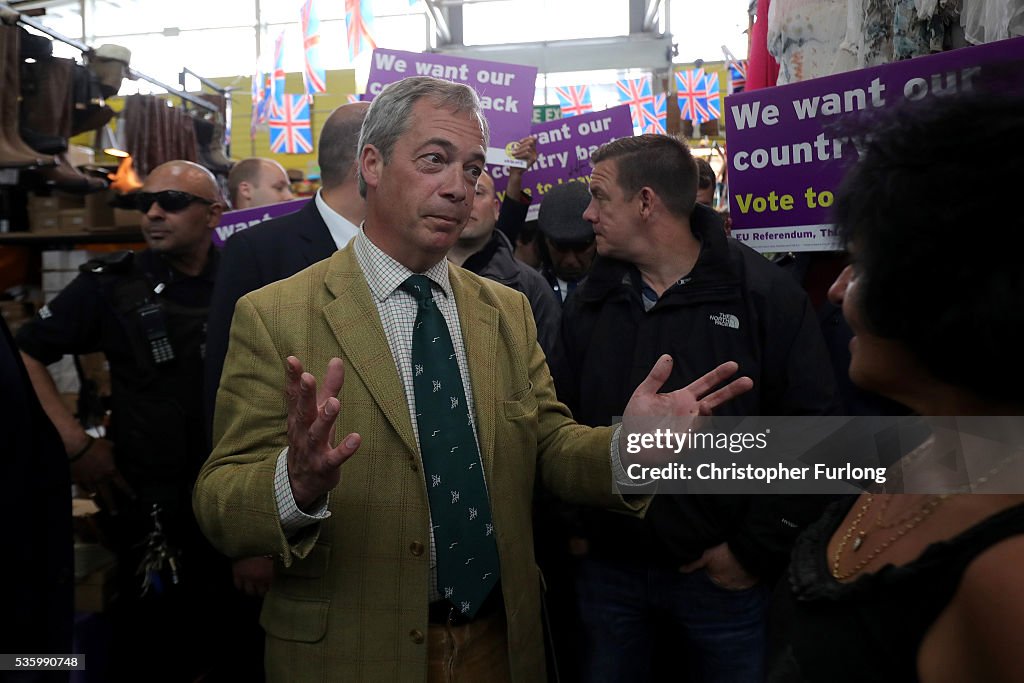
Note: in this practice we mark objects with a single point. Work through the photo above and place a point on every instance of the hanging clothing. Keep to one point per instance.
(762, 69)
(804, 36)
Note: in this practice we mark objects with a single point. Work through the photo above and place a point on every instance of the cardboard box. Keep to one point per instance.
(97, 590)
(55, 202)
(127, 218)
(65, 259)
(56, 280)
(99, 212)
(15, 311)
(44, 221)
(96, 368)
(73, 220)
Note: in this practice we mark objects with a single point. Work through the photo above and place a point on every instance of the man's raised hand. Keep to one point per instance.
(691, 400)
(314, 466)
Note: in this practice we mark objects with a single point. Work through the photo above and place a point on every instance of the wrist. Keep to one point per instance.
(83, 450)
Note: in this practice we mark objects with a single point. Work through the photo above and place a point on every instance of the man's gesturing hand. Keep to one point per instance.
(314, 467)
(691, 399)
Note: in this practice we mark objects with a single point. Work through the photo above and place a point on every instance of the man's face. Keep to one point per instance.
(485, 211)
(706, 195)
(270, 187)
(571, 261)
(612, 213)
(177, 233)
(420, 200)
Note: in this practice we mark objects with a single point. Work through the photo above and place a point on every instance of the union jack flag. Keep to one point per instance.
(698, 95)
(290, 130)
(259, 113)
(638, 95)
(313, 76)
(575, 100)
(654, 117)
(351, 99)
(359, 22)
(276, 90)
(737, 76)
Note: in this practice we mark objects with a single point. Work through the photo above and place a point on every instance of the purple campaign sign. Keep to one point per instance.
(243, 219)
(786, 157)
(564, 147)
(505, 90)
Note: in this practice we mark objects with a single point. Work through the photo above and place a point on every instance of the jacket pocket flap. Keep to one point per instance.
(289, 618)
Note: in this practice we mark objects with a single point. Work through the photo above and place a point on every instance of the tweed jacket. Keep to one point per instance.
(349, 599)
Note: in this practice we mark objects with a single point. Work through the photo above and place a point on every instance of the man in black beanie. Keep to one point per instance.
(567, 244)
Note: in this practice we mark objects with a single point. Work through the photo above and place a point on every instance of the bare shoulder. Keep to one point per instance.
(987, 611)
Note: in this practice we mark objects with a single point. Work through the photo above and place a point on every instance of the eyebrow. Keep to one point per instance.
(448, 147)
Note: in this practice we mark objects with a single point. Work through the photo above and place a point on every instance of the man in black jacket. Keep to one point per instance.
(487, 252)
(667, 280)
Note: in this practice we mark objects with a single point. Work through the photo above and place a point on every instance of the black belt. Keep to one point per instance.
(443, 612)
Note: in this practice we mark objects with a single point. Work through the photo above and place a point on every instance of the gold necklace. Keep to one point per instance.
(919, 515)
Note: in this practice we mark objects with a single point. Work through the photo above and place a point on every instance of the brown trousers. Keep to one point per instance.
(477, 651)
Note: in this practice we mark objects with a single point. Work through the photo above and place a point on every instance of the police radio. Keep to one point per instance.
(154, 326)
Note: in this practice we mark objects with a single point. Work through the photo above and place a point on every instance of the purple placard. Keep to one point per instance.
(243, 219)
(505, 90)
(564, 147)
(784, 153)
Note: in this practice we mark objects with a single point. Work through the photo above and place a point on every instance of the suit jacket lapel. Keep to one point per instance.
(479, 322)
(317, 243)
(354, 319)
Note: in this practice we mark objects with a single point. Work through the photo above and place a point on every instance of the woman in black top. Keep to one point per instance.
(926, 586)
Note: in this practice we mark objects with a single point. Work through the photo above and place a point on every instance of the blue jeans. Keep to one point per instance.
(631, 616)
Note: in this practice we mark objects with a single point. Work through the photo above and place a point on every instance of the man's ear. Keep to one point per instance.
(245, 189)
(371, 164)
(646, 196)
(497, 208)
(216, 211)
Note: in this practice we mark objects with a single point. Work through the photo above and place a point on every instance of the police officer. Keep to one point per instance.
(147, 313)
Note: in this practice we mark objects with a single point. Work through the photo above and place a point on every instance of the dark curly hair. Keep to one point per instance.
(940, 247)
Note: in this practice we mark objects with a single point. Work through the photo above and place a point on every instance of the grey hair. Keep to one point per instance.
(391, 111)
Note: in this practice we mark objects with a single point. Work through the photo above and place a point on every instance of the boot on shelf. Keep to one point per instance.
(217, 150)
(46, 113)
(14, 153)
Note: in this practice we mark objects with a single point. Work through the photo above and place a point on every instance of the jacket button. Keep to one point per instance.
(416, 548)
(416, 636)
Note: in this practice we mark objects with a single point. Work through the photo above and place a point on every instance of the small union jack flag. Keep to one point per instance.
(654, 118)
(737, 76)
(638, 95)
(698, 95)
(359, 22)
(575, 99)
(290, 131)
(276, 91)
(313, 75)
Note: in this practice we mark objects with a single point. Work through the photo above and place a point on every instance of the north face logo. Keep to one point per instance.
(725, 320)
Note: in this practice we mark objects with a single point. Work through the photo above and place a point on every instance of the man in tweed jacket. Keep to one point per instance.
(327, 476)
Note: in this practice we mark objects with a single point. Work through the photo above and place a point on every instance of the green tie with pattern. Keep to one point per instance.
(467, 556)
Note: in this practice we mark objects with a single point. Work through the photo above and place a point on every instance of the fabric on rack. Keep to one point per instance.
(762, 69)
(985, 21)
(893, 30)
(849, 47)
(804, 36)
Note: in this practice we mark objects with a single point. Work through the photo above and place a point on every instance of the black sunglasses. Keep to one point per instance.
(168, 200)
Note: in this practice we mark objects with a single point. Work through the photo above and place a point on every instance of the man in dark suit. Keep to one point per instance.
(36, 590)
(281, 247)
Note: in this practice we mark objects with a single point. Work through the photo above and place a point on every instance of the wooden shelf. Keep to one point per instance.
(59, 239)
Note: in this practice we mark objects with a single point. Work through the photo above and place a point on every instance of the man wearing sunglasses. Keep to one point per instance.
(147, 313)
